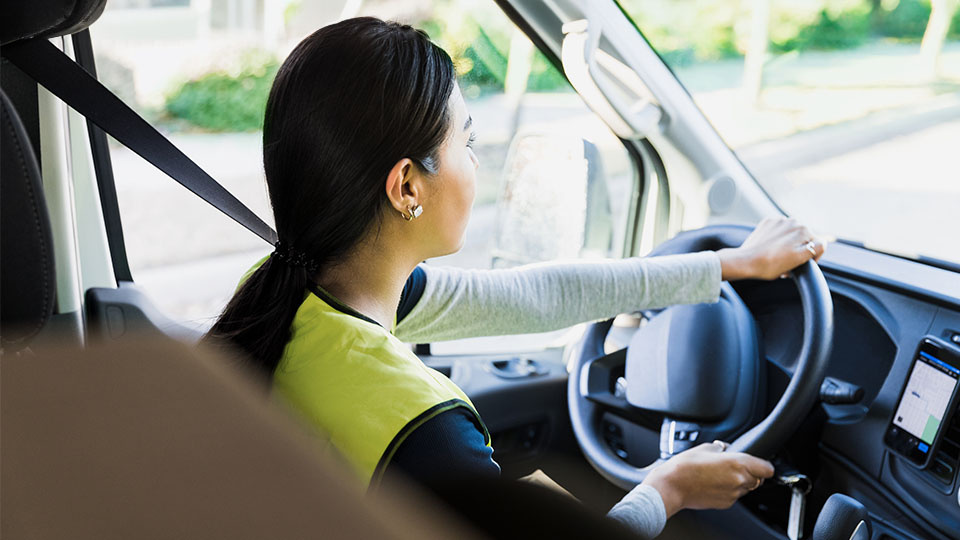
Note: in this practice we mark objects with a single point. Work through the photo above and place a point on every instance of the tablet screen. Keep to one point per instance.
(926, 397)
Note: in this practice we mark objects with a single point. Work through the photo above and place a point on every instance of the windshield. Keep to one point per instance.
(846, 112)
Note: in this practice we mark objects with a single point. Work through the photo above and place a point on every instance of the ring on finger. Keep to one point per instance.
(758, 484)
(723, 446)
(810, 246)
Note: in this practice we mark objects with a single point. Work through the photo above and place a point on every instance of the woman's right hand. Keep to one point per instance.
(706, 477)
(775, 247)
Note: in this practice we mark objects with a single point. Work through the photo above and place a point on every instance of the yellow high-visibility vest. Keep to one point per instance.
(362, 388)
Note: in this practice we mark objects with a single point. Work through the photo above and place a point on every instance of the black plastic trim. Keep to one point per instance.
(126, 311)
(898, 287)
(929, 261)
(917, 521)
(528, 31)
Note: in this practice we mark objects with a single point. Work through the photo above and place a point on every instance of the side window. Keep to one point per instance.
(553, 181)
(203, 83)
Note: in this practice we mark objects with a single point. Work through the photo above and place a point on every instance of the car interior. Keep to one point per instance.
(115, 424)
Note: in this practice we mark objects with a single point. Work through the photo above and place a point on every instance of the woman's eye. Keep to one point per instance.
(472, 139)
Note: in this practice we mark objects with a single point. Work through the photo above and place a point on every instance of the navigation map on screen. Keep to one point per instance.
(926, 397)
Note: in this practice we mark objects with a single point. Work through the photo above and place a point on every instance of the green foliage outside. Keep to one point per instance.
(482, 64)
(682, 32)
(488, 70)
(849, 28)
(544, 77)
(226, 100)
(686, 32)
(845, 30)
(480, 49)
(907, 21)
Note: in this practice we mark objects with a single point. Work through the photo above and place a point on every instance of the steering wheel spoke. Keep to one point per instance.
(677, 436)
(603, 382)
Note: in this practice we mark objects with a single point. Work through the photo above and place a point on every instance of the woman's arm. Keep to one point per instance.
(458, 303)
(641, 511)
(467, 303)
(447, 448)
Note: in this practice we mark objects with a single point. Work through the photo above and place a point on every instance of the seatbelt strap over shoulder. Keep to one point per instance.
(67, 80)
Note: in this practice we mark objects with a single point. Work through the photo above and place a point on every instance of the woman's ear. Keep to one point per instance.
(403, 186)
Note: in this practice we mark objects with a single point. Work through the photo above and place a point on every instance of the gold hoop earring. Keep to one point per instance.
(415, 212)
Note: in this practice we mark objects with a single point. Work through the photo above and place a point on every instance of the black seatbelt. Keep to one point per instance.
(67, 80)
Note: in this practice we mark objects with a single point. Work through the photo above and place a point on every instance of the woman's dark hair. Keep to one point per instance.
(350, 101)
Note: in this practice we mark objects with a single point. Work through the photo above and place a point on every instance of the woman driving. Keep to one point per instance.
(368, 161)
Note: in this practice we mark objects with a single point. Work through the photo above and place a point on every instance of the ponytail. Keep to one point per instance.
(349, 102)
(256, 321)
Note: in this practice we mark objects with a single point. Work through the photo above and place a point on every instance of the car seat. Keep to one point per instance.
(27, 274)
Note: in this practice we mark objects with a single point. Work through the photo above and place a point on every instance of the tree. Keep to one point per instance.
(756, 54)
(936, 33)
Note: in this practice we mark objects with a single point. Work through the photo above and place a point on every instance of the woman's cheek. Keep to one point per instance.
(473, 189)
(471, 175)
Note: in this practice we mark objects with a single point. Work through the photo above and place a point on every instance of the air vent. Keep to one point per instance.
(945, 461)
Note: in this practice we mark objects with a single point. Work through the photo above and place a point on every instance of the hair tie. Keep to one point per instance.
(293, 257)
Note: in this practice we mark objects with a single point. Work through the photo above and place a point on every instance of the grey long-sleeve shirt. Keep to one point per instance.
(458, 303)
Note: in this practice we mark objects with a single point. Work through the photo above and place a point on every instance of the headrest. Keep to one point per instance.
(25, 19)
(27, 282)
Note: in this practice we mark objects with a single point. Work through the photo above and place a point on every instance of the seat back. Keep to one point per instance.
(27, 276)
(146, 437)
(27, 272)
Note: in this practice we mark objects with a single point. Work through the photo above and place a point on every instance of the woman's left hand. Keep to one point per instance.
(775, 247)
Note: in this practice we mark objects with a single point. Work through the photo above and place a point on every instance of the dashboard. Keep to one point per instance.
(897, 449)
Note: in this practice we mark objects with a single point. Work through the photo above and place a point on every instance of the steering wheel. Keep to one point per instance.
(700, 367)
